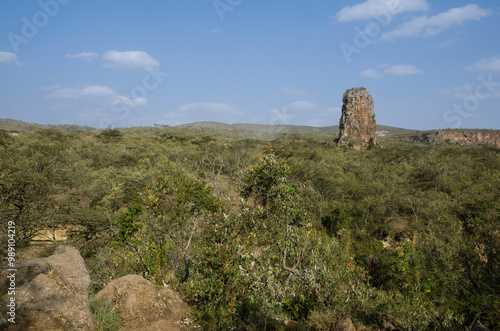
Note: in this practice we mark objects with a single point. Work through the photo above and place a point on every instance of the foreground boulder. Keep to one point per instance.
(51, 293)
(357, 127)
(143, 307)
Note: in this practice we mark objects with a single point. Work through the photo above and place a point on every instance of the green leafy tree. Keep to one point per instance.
(162, 232)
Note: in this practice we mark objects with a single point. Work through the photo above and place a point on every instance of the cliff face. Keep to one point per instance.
(471, 137)
(357, 128)
(460, 137)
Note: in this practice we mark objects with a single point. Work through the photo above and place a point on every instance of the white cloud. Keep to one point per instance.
(428, 26)
(403, 69)
(214, 107)
(50, 88)
(303, 112)
(464, 91)
(447, 43)
(374, 8)
(120, 100)
(91, 92)
(324, 118)
(397, 70)
(301, 105)
(135, 60)
(370, 73)
(202, 111)
(99, 93)
(8, 58)
(291, 91)
(458, 92)
(87, 56)
(297, 113)
(491, 64)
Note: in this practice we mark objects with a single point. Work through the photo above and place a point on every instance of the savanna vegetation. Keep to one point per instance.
(257, 232)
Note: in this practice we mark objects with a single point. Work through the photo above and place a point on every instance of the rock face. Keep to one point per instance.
(460, 137)
(473, 137)
(51, 293)
(358, 128)
(143, 307)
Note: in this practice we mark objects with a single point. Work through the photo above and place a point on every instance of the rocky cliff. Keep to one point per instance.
(460, 137)
(357, 128)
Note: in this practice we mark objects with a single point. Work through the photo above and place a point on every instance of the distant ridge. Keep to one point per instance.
(246, 129)
(383, 131)
(11, 125)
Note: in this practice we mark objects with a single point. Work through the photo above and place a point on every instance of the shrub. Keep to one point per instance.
(106, 316)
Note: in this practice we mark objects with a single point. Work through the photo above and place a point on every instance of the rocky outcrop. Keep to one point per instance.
(358, 128)
(50, 293)
(460, 137)
(472, 137)
(143, 307)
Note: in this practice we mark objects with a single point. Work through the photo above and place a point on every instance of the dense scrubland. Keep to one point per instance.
(255, 232)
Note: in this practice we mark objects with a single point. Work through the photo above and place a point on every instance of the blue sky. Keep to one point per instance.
(427, 64)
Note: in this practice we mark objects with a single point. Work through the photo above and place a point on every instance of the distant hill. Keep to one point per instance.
(238, 130)
(383, 131)
(24, 127)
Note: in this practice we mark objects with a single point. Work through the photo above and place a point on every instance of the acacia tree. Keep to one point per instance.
(30, 181)
(164, 228)
(267, 183)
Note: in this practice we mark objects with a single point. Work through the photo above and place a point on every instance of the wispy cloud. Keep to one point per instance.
(214, 107)
(295, 113)
(8, 58)
(131, 60)
(291, 91)
(457, 92)
(301, 105)
(370, 73)
(373, 8)
(428, 26)
(102, 94)
(91, 91)
(87, 56)
(467, 91)
(403, 69)
(491, 64)
(396, 70)
(447, 43)
(202, 111)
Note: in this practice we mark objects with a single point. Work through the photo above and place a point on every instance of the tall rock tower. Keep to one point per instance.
(358, 128)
